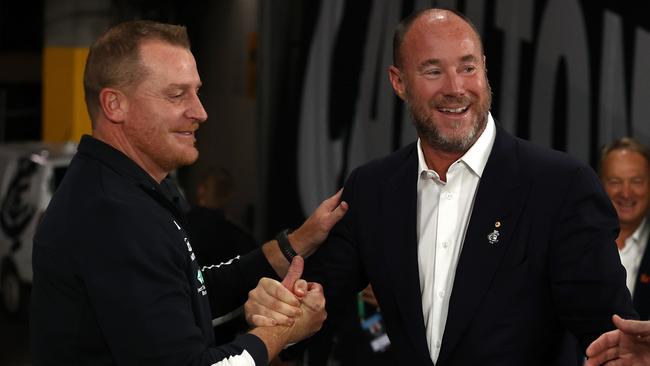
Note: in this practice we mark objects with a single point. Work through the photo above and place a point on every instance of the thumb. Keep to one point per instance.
(300, 288)
(631, 327)
(294, 272)
(332, 202)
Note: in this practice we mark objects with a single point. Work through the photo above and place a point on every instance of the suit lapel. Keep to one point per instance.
(641, 296)
(486, 240)
(399, 238)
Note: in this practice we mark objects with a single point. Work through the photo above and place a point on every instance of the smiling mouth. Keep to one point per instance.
(458, 110)
(626, 205)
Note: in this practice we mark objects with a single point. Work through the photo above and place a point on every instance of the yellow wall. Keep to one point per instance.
(64, 110)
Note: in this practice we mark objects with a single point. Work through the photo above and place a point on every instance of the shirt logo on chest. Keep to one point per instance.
(199, 275)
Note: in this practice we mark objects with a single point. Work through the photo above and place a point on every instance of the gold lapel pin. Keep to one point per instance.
(497, 224)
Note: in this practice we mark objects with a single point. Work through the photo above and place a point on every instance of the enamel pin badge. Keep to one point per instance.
(493, 237)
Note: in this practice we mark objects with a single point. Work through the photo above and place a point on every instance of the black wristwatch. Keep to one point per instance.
(285, 246)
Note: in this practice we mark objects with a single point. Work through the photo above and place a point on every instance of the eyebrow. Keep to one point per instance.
(468, 58)
(437, 62)
(182, 86)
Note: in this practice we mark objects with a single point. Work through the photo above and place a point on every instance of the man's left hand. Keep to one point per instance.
(306, 239)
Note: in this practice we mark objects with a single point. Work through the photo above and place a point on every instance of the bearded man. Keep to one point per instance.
(481, 248)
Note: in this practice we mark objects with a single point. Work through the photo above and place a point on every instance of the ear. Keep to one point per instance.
(113, 104)
(396, 81)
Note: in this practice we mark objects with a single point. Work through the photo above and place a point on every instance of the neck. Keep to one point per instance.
(114, 136)
(626, 232)
(438, 160)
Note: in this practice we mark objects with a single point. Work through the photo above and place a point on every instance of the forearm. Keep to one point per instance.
(228, 283)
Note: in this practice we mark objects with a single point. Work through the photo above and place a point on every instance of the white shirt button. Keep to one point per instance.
(449, 196)
(441, 293)
(438, 344)
(445, 244)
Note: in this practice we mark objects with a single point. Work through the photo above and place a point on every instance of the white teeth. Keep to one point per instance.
(453, 110)
(626, 204)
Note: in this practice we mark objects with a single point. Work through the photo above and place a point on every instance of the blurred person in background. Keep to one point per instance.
(216, 239)
(625, 174)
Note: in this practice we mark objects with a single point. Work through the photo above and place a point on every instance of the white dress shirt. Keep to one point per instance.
(632, 253)
(443, 213)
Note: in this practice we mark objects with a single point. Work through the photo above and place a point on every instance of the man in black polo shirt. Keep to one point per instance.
(115, 279)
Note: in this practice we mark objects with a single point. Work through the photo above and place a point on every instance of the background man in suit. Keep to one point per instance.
(481, 248)
(625, 173)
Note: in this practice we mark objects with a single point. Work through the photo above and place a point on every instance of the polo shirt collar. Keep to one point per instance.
(116, 160)
(166, 192)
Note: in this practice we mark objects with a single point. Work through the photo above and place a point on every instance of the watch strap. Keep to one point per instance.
(285, 245)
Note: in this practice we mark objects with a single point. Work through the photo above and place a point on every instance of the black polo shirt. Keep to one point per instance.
(116, 281)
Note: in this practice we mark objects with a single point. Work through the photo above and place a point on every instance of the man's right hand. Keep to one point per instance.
(282, 317)
(293, 303)
(629, 345)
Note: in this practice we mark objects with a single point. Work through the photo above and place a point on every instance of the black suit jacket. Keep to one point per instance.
(554, 270)
(641, 296)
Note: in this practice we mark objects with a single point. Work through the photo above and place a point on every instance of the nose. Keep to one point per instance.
(454, 84)
(195, 109)
(626, 190)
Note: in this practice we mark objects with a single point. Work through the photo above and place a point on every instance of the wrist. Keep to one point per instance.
(275, 338)
(286, 248)
(298, 243)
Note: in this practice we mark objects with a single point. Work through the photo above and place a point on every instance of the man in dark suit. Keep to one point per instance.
(625, 173)
(481, 248)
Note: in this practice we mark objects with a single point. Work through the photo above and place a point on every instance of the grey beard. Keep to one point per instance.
(427, 130)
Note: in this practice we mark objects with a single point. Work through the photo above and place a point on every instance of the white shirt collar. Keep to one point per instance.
(638, 234)
(476, 157)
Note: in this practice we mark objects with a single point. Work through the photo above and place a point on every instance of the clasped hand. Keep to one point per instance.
(294, 303)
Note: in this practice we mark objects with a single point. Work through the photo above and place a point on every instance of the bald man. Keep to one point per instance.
(481, 248)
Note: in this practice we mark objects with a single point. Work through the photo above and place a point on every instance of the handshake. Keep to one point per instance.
(289, 311)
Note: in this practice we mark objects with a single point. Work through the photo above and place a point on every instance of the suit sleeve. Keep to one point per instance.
(337, 264)
(587, 278)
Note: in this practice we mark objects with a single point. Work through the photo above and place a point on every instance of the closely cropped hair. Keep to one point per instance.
(405, 25)
(114, 59)
(624, 143)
